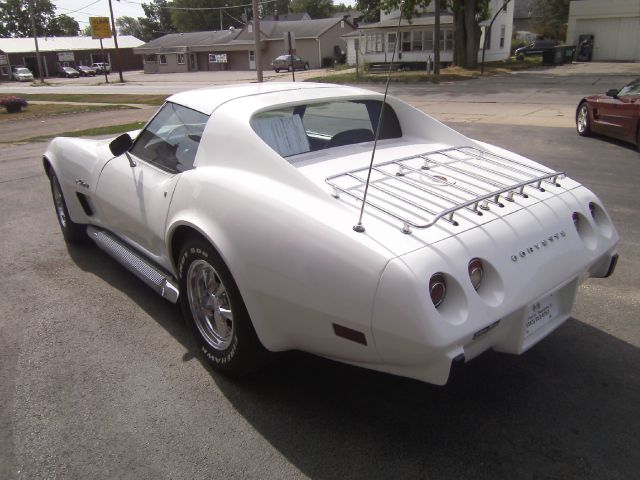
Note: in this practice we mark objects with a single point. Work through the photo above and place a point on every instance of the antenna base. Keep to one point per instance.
(358, 228)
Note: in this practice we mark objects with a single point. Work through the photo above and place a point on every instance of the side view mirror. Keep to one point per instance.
(121, 144)
(612, 92)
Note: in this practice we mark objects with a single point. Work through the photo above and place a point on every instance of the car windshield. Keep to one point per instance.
(316, 126)
(170, 141)
(22, 70)
(632, 88)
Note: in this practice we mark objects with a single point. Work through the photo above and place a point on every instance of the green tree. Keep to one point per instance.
(16, 22)
(157, 21)
(315, 8)
(551, 17)
(202, 20)
(370, 9)
(466, 37)
(63, 26)
(86, 31)
(129, 26)
(280, 6)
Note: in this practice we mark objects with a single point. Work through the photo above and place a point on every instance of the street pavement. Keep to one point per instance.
(99, 378)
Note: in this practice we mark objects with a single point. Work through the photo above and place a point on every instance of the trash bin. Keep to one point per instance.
(553, 56)
(569, 53)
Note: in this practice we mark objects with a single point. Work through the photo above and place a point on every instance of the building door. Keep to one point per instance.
(252, 60)
(193, 62)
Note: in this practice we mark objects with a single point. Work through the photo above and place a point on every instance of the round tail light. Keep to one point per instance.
(437, 289)
(476, 272)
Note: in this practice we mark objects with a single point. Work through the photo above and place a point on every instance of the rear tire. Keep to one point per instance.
(277, 70)
(72, 232)
(583, 123)
(212, 304)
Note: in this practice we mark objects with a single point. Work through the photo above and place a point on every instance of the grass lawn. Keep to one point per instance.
(446, 74)
(47, 110)
(92, 98)
(89, 132)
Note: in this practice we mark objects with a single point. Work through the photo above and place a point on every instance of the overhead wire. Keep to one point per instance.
(263, 2)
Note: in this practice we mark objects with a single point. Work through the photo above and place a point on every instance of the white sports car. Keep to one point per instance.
(261, 209)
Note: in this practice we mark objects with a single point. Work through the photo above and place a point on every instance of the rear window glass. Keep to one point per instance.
(316, 126)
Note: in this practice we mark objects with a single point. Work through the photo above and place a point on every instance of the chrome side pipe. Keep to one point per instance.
(160, 281)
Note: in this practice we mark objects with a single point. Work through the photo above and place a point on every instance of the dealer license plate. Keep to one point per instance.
(540, 313)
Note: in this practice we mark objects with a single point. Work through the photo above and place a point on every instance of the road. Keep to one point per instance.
(100, 379)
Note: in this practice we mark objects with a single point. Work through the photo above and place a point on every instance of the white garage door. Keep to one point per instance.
(615, 38)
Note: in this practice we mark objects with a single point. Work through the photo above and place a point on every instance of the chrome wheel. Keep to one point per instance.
(210, 305)
(583, 119)
(58, 201)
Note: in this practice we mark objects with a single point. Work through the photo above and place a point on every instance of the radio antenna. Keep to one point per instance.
(359, 227)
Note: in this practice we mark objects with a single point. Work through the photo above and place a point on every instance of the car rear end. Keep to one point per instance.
(489, 247)
(504, 285)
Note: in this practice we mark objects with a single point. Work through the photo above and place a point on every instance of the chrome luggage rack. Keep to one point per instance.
(421, 189)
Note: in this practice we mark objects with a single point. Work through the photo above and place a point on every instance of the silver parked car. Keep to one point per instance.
(283, 62)
(22, 74)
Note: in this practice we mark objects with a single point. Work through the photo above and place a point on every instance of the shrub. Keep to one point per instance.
(13, 104)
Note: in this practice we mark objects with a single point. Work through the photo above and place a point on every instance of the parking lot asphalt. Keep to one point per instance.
(100, 379)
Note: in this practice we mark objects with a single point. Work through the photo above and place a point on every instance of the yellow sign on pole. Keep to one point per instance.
(100, 27)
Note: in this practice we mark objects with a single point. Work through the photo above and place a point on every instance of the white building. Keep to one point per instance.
(375, 42)
(615, 25)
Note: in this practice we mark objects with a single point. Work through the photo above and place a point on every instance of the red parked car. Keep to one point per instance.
(615, 114)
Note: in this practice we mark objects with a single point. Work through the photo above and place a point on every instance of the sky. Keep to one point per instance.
(81, 10)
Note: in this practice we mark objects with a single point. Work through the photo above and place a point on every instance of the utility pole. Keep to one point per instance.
(436, 40)
(32, 14)
(256, 36)
(115, 41)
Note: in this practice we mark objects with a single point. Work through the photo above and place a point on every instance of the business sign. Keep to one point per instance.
(100, 27)
(218, 58)
(65, 57)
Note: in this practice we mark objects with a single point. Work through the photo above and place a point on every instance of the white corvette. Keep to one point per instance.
(244, 204)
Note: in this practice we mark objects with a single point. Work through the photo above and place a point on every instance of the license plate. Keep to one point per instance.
(539, 314)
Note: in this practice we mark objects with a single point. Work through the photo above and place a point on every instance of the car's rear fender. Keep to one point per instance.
(298, 274)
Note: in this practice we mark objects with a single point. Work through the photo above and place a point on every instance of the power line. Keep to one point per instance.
(264, 2)
(81, 8)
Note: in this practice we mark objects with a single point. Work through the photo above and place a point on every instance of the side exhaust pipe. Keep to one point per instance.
(160, 281)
